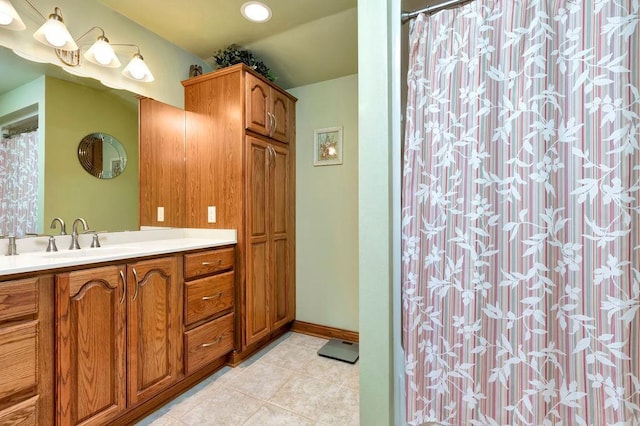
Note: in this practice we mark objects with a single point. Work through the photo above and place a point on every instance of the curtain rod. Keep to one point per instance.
(407, 16)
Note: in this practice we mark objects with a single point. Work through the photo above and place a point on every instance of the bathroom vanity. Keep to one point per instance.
(106, 335)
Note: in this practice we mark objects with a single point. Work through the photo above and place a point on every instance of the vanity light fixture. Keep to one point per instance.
(9, 18)
(256, 11)
(136, 69)
(54, 33)
(101, 52)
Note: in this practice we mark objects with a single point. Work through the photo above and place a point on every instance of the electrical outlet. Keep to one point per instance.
(160, 214)
(211, 214)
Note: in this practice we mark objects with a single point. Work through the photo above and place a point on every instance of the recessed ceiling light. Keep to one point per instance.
(255, 11)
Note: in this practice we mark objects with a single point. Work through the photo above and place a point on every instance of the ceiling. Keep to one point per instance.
(306, 41)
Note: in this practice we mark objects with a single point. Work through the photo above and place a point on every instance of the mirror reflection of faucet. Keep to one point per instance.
(63, 229)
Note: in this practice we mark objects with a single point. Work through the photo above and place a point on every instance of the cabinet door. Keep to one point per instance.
(162, 164)
(90, 354)
(257, 105)
(280, 107)
(257, 320)
(153, 325)
(279, 239)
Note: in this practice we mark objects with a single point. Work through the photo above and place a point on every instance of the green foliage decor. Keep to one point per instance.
(234, 55)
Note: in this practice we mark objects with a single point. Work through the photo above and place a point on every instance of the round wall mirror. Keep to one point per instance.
(102, 155)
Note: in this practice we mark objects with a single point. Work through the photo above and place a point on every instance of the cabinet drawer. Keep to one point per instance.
(208, 262)
(208, 342)
(207, 296)
(18, 298)
(18, 358)
(21, 414)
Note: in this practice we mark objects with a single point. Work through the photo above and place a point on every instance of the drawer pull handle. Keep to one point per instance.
(216, 296)
(215, 342)
(215, 263)
(124, 286)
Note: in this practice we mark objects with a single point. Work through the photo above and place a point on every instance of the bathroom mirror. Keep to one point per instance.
(102, 155)
(70, 107)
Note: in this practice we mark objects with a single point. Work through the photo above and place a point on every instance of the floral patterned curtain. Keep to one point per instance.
(521, 214)
(19, 184)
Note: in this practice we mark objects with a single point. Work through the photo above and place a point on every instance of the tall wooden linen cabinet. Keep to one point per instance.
(240, 173)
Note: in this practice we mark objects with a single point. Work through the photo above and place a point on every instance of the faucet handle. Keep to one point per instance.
(96, 240)
(52, 244)
(11, 247)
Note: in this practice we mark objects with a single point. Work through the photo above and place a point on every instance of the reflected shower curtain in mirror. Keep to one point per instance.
(521, 211)
(19, 184)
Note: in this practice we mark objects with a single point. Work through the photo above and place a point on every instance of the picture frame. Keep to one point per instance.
(116, 167)
(327, 146)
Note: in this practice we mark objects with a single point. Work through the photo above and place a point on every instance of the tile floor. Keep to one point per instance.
(286, 383)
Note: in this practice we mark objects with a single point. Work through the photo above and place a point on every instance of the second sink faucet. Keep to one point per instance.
(63, 229)
(74, 234)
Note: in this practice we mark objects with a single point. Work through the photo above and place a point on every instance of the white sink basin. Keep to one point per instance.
(91, 252)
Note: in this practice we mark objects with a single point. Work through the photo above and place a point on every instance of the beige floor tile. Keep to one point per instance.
(166, 420)
(327, 369)
(270, 415)
(341, 408)
(291, 357)
(261, 380)
(352, 379)
(305, 340)
(223, 408)
(304, 395)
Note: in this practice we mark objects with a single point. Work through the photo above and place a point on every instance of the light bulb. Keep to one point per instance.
(102, 52)
(5, 19)
(56, 33)
(137, 69)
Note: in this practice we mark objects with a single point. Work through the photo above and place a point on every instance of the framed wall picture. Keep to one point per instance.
(327, 145)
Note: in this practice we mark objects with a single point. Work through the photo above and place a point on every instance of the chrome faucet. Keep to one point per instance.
(74, 234)
(63, 229)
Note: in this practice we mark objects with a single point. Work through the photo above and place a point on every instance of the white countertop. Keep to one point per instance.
(114, 246)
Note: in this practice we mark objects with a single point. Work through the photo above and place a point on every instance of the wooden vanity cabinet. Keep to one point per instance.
(26, 351)
(240, 156)
(90, 353)
(118, 330)
(208, 306)
(154, 325)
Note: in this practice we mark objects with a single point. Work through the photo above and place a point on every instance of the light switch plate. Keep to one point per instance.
(211, 214)
(160, 214)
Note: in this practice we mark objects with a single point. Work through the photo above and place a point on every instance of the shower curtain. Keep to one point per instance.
(520, 214)
(19, 184)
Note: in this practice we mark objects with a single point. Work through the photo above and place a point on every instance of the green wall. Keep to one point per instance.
(327, 207)
(72, 112)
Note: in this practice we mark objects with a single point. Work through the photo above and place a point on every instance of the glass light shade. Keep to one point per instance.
(9, 18)
(101, 53)
(55, 34)
(255, 11)
(137, 70)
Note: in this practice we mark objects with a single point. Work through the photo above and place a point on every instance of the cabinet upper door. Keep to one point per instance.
(153, 321)
(90, 353)
(258, 114)
(280, 108)
(268, 110)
